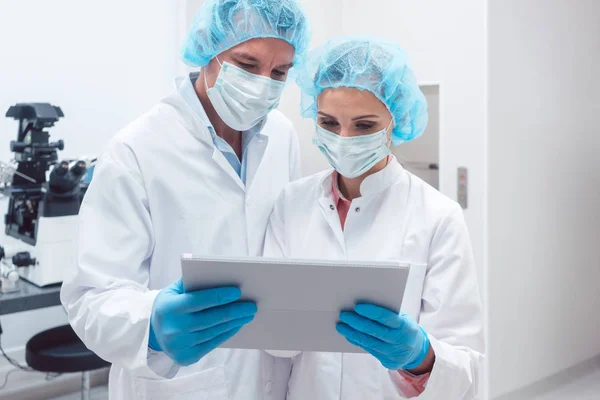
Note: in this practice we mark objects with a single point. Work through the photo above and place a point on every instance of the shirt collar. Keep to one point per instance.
(372, 185)
(337, 194)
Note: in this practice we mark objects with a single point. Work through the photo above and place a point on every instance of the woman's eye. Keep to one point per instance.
(279, 73)
(329, 123)
(364, 126)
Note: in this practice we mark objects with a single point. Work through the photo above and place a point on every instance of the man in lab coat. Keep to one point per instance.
(198, 173)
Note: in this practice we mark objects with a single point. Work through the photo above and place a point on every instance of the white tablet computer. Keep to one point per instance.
(299, 301)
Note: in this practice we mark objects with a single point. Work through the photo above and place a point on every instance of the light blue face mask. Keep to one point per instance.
(243, 99)
(353, 156)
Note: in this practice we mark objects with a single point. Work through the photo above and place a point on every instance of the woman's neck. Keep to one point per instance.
(350, 187)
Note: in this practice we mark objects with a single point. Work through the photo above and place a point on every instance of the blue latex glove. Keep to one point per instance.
(397, 341)
(188, 326)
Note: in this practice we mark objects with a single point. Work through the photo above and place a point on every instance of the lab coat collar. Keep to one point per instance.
(197, 122)
(373, 184)
(185, 88)
(382, 180)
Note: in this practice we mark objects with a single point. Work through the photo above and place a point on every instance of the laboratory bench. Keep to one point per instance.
(29, 297)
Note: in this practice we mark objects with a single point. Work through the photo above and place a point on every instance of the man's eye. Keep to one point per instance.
(245, 66)
(279, 73)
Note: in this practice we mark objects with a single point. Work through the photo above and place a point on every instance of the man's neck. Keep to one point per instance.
(231, 136)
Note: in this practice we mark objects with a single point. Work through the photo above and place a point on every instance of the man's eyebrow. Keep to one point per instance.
(286, 66)
(247, 57)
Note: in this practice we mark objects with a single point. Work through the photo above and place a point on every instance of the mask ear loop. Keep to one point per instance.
(388, 143)
(389, 129)
(204, 73)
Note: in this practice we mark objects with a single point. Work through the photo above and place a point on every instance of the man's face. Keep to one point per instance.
(268, 57)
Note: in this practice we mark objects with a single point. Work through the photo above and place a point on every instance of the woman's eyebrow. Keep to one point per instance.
(365, 116)
(326, 115)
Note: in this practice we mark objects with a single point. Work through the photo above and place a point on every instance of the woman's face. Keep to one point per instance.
(351, 112)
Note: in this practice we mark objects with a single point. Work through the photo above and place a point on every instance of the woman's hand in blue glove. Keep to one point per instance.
(188, 326)
(397, 341)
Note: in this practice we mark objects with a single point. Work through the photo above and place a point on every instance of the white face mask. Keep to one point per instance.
(243, 99)
(353, 156)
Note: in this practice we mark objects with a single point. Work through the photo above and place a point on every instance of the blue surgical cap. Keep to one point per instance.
(375, 65)
(222, 24)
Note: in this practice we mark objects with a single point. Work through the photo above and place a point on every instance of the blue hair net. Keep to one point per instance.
(366, 64)
(222, 24)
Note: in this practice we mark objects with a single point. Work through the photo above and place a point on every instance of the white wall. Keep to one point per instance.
(544, 188)
(103, 63)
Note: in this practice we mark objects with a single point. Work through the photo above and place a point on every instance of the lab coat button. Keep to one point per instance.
(269, 387)
(332, 207)
(357, 209)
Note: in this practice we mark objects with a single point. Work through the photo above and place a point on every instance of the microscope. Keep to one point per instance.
(43, 213)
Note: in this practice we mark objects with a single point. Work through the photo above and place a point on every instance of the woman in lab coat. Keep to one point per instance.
(363, 96)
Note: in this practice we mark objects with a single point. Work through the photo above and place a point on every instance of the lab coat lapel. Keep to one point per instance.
(199, 129)
(255, 153)
(222, 162)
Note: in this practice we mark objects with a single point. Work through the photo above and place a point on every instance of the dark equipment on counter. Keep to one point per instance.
(31, 197)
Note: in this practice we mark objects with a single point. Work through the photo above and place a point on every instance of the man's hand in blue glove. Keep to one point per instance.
(397, 341)
(188, 326)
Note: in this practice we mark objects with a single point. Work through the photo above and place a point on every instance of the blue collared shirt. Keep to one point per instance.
(188, 94)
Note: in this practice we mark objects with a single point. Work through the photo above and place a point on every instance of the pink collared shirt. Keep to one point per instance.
(409, 385)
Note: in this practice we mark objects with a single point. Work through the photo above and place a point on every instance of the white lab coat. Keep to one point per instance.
(163, 189)
(398, 217)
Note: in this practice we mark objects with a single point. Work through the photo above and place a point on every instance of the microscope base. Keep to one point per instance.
(55, 251)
